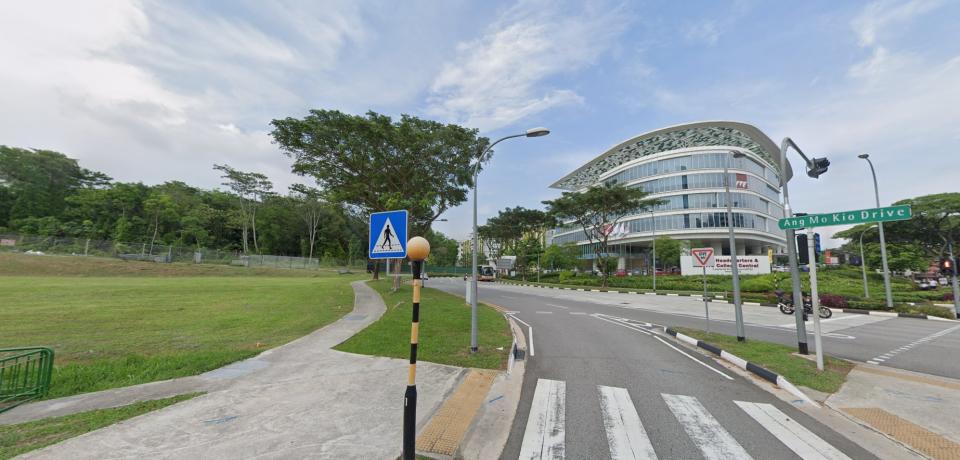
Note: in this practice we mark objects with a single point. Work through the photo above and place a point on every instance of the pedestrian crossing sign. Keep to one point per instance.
(388, 235)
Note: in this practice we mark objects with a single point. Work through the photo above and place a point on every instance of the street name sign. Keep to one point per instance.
(860, 216)
(702, 257)
(388, 235)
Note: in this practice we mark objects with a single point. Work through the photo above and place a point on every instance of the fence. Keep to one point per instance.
(24, 375)
(162, 253)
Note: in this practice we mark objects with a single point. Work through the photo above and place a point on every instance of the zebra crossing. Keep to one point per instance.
(544, 436)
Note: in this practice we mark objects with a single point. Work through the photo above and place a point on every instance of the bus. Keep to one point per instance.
(485, 273)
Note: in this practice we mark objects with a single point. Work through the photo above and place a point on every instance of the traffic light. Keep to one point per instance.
(803, 257)
(946, 266)
(817, 166)
(816, 246)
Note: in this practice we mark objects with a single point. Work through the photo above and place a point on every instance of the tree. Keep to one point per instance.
(376, 164)
(251, 189)
(597, 210)
(668, 252)
(935, 223)
(561, 256)
(443, 250)
(311, 207)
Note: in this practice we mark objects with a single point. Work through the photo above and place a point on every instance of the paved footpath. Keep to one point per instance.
(298, 400)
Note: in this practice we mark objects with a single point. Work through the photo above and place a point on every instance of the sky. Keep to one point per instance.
(157, 91)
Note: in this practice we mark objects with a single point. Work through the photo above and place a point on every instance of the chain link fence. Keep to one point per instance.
(162, 253)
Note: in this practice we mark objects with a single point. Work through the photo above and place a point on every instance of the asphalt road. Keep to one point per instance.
(599, 385)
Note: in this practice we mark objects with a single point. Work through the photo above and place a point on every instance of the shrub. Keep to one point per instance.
(948, 296)
(833, 301)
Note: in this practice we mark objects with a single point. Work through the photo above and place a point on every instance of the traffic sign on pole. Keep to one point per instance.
(388, 235)
(860, 216)
(702, 257)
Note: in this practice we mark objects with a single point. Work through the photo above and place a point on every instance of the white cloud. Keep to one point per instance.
(154, 92)
(883, 16)
(705, 31)
(504, 75)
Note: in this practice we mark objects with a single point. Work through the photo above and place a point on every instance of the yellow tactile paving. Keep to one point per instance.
(913, 435)
(448, 426)
(913, 378)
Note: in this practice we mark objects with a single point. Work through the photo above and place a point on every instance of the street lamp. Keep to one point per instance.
(883, 243)
(863, 264)
(815, 167)
(534, 132)
(733, 249)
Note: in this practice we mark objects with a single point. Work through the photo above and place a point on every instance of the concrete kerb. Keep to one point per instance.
(756, 304)
(759, 371)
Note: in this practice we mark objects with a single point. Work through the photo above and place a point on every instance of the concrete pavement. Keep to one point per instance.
(299, 400)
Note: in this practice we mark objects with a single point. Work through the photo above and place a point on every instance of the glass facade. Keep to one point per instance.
(719, 200)
(684, 222)
(693, 162)
(705, 180)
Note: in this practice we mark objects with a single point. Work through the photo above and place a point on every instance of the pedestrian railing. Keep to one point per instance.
(24, 375)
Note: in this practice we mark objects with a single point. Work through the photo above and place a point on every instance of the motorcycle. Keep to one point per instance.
(785, 303)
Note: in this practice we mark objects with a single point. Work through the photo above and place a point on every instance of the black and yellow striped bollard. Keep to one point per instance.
(418, 248)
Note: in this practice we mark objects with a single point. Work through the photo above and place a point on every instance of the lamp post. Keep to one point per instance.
(863, 264)
(534, 132)
(815, 168)
(653, 225)
(883, 243)
(733, 249)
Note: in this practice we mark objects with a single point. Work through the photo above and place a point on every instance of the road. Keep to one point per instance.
(599, 384)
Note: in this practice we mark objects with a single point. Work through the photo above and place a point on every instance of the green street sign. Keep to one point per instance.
(859, 216)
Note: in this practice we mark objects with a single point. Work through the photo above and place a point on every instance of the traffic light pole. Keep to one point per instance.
(956, 290)
(815, 299)
(792, 251)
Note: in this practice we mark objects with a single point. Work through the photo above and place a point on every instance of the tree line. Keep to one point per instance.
(359, 164)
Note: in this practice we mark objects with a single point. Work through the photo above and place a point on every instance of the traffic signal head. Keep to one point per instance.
(946, 266)
(817, 166)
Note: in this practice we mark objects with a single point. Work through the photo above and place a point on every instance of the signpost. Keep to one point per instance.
(860, 216)
(809, 221)
(388, 237)
(703, 258)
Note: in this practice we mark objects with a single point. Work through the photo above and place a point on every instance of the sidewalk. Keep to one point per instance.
(298, 400)
(919, 410)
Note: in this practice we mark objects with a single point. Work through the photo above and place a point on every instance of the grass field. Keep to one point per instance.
(136, 322)
(780, 359)
(24, 437)
(444, 330)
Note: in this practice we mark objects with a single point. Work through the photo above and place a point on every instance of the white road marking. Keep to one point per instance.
(529, 331)
(628, 326)
(545, 312)
(557, 306)
(792, 434)
(838, 318)
(704, 430)
(695, 359)
(625, 434)
(544, 436)
(578, 313)
(891, 354)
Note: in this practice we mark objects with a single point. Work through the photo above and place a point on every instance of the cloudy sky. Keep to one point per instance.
(156, 91)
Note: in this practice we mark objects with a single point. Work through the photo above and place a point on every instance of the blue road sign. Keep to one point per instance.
(388, 235)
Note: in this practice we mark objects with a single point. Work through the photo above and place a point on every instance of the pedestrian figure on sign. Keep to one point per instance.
(387, 237)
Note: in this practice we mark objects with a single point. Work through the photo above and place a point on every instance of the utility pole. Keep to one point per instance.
(956, 290)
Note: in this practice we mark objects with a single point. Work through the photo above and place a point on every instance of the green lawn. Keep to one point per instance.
(113, 331)
(444, 330)
(24, 437)
(778, 358)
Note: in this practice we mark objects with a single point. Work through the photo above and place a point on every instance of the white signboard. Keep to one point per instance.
(746, 265)
(702, 257)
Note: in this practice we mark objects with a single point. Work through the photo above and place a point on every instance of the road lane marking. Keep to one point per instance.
(691, 357)
(891, 354)
(628, 326)
(544, 312)
(544, 436)
(529, 331)
(557, 306)
(713, 441)
(578, 313)
(792, 434)
(625, 434)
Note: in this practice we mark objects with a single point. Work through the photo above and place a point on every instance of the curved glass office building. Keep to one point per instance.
(683, 166)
